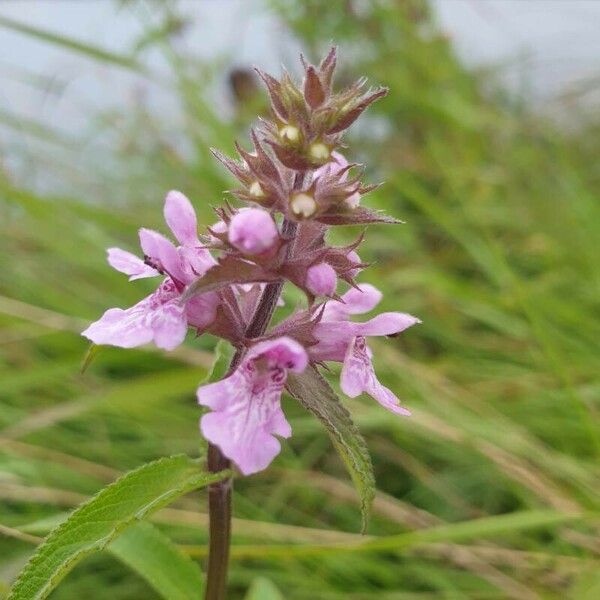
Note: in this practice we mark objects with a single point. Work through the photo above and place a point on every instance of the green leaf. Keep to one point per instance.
(150, 553)
(101, 519)
(144, 549)
(263, 589)
(316, 395)
(90, 355)
(224, 352)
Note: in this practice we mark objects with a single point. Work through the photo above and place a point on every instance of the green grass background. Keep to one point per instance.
(498, 256)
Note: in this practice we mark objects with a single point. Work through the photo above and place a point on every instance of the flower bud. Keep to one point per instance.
(218, 229)
(256, 190)
(321, 279)
(290, 134)
(303, 205)
(319, 152)
(354, 258)
(352, 201)
(253, 231)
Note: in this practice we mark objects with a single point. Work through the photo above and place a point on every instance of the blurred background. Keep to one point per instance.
(489, 146)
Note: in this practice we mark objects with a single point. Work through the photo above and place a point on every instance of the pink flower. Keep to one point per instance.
(321, 279)
(333, 167)
(246, 406)
(253, 231)
(344, 341)
(161, 317)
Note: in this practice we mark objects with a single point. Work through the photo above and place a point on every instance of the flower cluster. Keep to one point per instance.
(294, 185)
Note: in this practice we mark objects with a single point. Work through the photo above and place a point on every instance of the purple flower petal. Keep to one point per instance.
(195, 261)
(128, 263)
(334, 337)
(358, 376)
(123, 328)
(159, 318)
(201, 310)
(355, 302)
(252, 231)
(244, 420)
(321, 279)
(335, 165)
(162, 252)
(283, 352)
(389, 323)
(246, 405)
(181, 218)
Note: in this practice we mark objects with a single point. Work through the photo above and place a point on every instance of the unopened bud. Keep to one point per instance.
(256, 190)
(219, 228)
(319, 152)
(353, 201)
(321, 279)
(354, 258)
(303, 205)
(252, 231)
(290, 133)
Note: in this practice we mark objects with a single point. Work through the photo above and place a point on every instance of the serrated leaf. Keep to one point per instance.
(224, 352)
(102, 518)
(147, 551)
(263, 589)
(317, 396)
(151, 554)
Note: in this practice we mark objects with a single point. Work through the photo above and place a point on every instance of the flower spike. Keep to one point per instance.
(294, 185)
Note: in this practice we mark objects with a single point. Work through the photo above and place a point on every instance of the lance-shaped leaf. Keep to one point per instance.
(317, 396)
(358, 216)
(97, 522)
(153, 556)
(230, 270)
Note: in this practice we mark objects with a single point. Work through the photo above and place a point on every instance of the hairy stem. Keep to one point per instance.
(219, 510)
(219, 493)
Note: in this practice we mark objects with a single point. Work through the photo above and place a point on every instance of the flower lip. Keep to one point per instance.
(158, 318)
(246, 406)
(282, 352)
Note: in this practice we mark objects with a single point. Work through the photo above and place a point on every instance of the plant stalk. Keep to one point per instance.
(219, 493)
